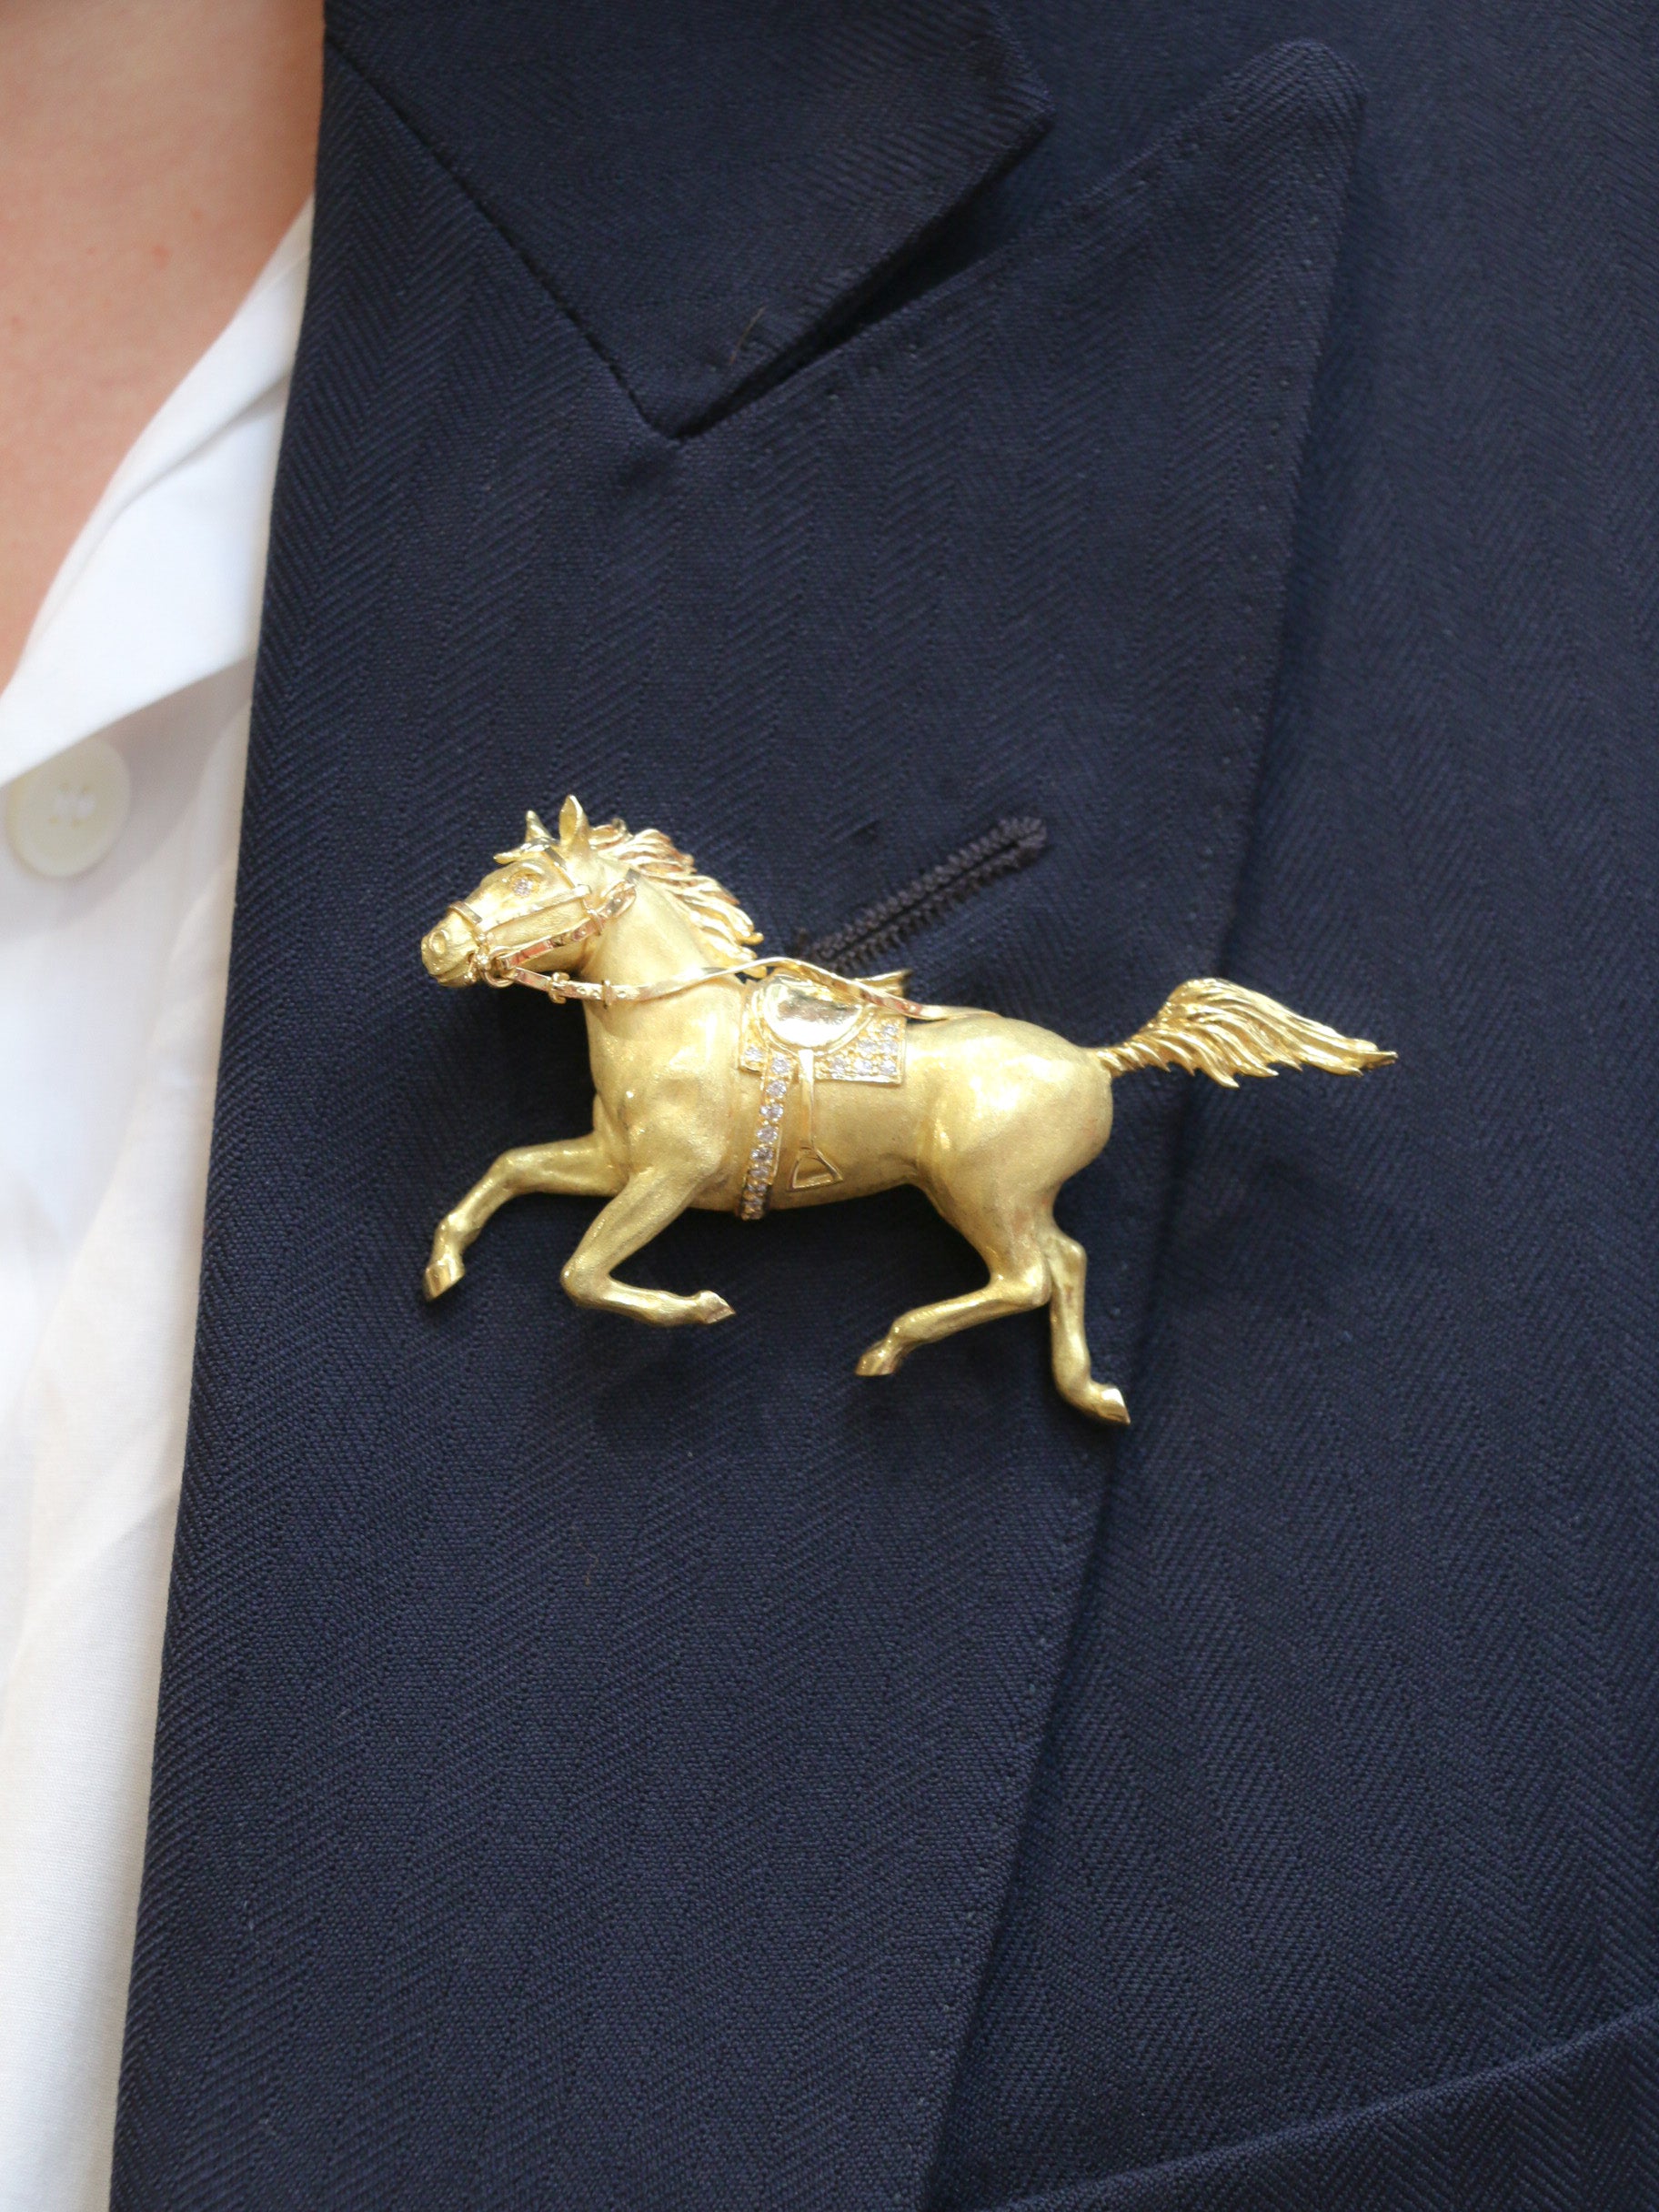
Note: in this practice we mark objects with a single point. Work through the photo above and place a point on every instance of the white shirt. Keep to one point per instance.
(112, 988)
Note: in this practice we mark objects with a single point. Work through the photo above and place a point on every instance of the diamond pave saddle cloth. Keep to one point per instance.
(797, 1031)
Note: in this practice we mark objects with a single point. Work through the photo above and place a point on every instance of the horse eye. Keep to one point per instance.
(522, 884)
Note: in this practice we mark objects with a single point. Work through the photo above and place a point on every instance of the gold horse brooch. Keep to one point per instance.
(736, 1083)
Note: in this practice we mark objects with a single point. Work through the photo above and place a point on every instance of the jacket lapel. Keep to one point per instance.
(704, 188)
(591, 1759)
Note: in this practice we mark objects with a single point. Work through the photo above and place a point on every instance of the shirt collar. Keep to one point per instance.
(163, 586)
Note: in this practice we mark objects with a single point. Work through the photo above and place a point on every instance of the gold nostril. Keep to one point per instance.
(444, 954)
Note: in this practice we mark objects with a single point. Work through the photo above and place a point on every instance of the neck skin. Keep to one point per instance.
(653, 940)
(151, 153)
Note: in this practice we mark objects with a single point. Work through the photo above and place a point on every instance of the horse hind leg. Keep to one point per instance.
(1019, 1282)
(1032, 1264)
(1073, 1377)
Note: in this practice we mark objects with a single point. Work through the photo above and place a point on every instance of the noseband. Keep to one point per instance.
(491, 963)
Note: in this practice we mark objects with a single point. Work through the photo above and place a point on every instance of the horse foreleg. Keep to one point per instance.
(644, 1207)
(574, 1167)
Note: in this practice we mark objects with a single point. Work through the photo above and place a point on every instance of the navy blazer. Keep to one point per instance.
(626, 1771)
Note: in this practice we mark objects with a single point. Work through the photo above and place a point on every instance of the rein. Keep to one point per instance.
(502, 970)
(565, 987)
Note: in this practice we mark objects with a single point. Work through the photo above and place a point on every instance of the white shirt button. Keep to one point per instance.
(63, 817)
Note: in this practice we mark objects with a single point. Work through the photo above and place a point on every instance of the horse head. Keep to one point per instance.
(542, 905)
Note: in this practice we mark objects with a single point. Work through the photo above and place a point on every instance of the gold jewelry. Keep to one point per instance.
(716, 1067)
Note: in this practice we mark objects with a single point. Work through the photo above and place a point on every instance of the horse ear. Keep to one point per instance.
(572, 823)
(534, 831)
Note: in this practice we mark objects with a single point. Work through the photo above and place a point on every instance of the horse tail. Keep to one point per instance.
(1220, 1030)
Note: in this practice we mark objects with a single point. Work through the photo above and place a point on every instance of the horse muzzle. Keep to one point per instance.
(449, 954)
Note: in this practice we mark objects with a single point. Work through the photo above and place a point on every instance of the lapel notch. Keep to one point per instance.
(704, 185)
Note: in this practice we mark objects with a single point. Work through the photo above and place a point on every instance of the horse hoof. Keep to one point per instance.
(710, 1307)
(443, 1273)
(880, 1359)
(1102, 1402)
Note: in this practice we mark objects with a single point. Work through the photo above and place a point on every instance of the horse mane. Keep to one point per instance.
(711, 907)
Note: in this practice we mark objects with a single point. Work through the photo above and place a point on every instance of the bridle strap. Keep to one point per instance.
(495, 966)
(504, 968)
(480, 928)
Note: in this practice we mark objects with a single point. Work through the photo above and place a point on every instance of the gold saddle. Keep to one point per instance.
(800, 1029)
(847, 1030)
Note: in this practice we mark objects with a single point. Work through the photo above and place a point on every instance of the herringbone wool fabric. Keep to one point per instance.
(608, 1768)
